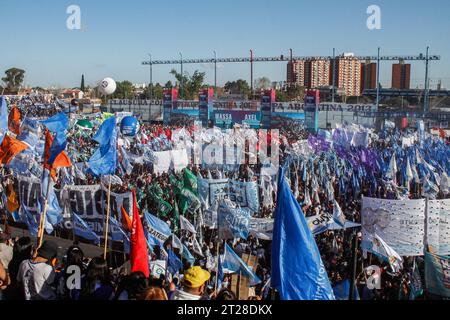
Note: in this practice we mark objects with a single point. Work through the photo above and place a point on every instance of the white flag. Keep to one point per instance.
(338, 215)
(186, 225)
(380, 247)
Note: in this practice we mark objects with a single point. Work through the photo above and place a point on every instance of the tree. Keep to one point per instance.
(14, 79)
(168, 85)
(82, 87)
(262, 83)
(157, 92)
(191, 85)
(238, 87)
(124, 90)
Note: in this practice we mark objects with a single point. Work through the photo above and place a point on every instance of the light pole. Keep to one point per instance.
(251, 72)
(378, 79)
(151, 79)
(181, 79)
(215, 72)
(426, 93)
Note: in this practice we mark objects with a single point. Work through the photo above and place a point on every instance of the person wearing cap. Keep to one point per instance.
(6, 251)
(36, 276)
(193, 284)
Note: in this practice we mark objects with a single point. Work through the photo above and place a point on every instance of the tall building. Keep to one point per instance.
(310, 73)
(348, 74)
(317, 73)
(401, 75)
(368, 75)
(296, 72)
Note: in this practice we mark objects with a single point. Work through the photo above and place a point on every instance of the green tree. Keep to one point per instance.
(82, 87)
(238, 87)
(124, 90)
(191, 84)
(168, 85)
(14, 79)
(295, 92)
(263, 83)
(157, 92)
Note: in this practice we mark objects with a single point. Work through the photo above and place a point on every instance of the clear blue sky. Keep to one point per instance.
(116, 36)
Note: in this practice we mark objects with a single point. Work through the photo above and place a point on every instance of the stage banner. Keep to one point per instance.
(243, 194)
(400, 223)
(438, 226)
(437, 274)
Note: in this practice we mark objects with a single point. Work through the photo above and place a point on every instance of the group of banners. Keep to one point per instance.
(89, 202)
(407, 226)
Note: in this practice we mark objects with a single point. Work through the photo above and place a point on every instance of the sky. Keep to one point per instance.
(116, 36)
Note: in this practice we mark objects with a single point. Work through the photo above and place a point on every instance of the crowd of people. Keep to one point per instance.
(31, 273)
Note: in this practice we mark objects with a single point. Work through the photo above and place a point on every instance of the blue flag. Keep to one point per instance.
(30, 221)
(118, 234)
(53, 215)
(342, 291)
(104, 160)
(174, 263)
(233, 263)
(81, 229)
(29, 132)
(58, 123)
(232, 222)
(156, 230)
(3, 118)
(297, 269)
(58, 145)
(186, 255)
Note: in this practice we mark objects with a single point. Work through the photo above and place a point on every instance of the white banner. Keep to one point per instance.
(400, 223)
(174, 159)
(243, 194)
(438, 226)
(88, 201)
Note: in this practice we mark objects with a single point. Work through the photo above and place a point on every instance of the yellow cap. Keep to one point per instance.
(195, 277)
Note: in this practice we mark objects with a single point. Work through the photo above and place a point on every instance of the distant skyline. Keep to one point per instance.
(116, 36)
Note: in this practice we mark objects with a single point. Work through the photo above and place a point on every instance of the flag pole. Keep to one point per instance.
(217, 267)
(107, 218)
(44, 214)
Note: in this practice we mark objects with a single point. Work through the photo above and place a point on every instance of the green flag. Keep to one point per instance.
(189, 201)
(190, 181)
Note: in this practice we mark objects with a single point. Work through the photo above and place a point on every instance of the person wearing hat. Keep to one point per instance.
(193, 284)
(36, 276)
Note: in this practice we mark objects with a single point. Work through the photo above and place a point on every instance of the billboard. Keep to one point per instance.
(226, 118)
(205, 105)
(311, 110)
(169, 98)
(267, 98)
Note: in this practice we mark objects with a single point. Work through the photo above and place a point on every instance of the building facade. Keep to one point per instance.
(368, 75)
(401, 76)
(348, 74)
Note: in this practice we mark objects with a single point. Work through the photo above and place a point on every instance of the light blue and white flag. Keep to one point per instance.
(233, 263)
(81, 229)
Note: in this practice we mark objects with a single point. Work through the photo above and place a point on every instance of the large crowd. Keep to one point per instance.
(31, 273)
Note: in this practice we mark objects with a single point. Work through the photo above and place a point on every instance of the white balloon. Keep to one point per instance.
(107, 86)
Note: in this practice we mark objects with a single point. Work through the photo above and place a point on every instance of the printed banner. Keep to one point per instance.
(400, 223)
(438, 226)
(243, 194)
(89, 201)
(233, 222)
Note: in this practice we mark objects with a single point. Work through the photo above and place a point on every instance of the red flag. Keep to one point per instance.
(14, 121)
(138, 250)
(9, 148)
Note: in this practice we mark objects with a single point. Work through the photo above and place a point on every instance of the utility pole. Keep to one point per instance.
(334, 77)
(151, 80)
(378, 79)
(251, 71)
(181, 80)
(215, 73)
(426, 93)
